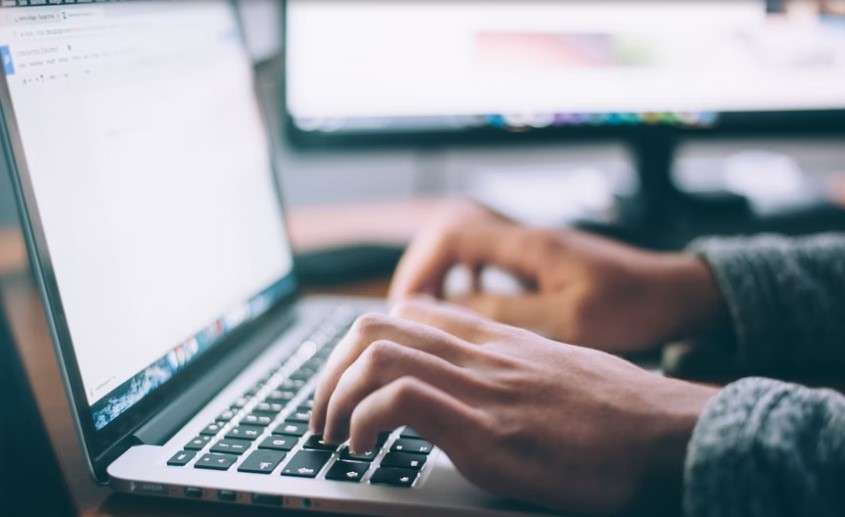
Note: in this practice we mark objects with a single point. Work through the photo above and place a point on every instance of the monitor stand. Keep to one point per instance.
(661, 216)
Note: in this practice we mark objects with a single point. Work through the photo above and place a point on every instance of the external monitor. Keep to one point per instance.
(376, 71)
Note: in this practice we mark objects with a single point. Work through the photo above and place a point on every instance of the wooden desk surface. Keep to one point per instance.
(310, 228)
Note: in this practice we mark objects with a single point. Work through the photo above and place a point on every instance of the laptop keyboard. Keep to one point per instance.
(265, 431)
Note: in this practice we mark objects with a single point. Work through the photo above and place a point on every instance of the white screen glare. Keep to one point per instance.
(374, 59)
(151, 171)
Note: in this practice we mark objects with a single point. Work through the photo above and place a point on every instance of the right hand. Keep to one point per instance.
(519, 415)
(583, 289)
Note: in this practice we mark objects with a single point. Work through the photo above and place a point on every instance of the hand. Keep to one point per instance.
(571, 428)
(583, 289)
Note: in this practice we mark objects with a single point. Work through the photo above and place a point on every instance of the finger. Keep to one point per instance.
(423, 267)
(529, 311)
(375, 327)
(440, 417)
(428, 259)
(382, 363)
(454, 319)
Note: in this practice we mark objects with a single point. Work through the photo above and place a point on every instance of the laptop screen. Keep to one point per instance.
(149, 165)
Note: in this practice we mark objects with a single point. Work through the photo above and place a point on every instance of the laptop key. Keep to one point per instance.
(315, 363)
(346, 454)
(279, 443)
(306, 464)
(267, 408)
(409, 432)
(197, 443)
(292, 384)
(241, 402)
(211, 429)
(394, 477)
(291, 428)
(181, 458)
(411, 445)
(245, 432)
(280, 396)
(259, 420)
(403, 460)
(226, 415)
(351, 471)
(262, 462)
(315, 441)
(230, 446)
(248, 394)
(300, 415)
(382, 437)
(303, 374)
(216, 461)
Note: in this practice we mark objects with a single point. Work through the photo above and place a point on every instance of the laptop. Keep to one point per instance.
(145, 180)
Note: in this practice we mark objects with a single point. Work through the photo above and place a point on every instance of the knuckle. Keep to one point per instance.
(379, 355)
(370, 323)
(403, 392)
(447, 234)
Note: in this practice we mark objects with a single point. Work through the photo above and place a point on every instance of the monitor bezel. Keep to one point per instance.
(751, 124)
(100, 447)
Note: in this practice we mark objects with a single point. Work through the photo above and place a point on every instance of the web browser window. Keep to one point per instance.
(151, 171)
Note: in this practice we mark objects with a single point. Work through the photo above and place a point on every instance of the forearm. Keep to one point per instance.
(766, 448)
(785, 299)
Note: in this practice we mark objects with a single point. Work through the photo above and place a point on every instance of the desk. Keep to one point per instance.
(310, 227)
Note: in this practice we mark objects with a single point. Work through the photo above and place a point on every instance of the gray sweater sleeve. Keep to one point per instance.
(764, 447)
(786, 299)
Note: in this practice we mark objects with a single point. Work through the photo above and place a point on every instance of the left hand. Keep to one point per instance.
(580, 288)
(520, 415)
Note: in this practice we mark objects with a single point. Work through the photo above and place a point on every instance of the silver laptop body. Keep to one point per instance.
(154, 224)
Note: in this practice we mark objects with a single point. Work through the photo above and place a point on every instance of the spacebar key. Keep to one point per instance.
(306, 464)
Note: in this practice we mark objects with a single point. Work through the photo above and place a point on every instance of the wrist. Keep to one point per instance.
(680, 406)
(694, 302)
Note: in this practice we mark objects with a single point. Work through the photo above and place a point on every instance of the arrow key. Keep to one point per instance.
(351, 471)
(215, 461)
(394, 477)
(306, 464)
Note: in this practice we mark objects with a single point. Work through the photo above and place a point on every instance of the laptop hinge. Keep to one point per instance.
(167, 422)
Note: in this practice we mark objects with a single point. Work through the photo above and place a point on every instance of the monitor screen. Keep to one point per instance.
(149, 165)
(373, 66)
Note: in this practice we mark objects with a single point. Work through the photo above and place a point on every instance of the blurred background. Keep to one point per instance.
(520, 102)
(654, 121)
(555, 112)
